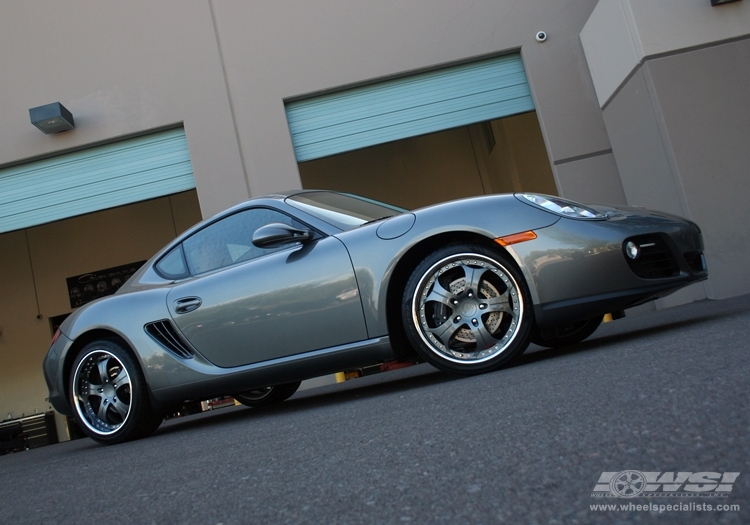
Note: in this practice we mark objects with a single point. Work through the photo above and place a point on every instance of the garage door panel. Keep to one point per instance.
(482, 106)
(411, 129)
(95, 179)
(401, 96)
(98, 195)
(416, 105)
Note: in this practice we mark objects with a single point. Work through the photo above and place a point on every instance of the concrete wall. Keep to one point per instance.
(621, 33)
(121, 69)
(225, 68)
(278, 50)
(704, 101)
(673, 79)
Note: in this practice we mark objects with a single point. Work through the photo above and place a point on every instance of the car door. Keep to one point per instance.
(247, 305)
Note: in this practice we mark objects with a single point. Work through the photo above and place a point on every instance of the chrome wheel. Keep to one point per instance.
(102, 392)
(468, 310)
(109, 394)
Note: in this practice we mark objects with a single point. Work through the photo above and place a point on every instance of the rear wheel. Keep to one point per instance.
(466, 309)
(566, 334)
(109, 395)
(267, 395)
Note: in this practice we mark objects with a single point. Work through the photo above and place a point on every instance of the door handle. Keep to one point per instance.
(187, 304)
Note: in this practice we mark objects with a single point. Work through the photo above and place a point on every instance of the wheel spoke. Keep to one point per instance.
(483, 336)
(440, 295)
(473, 276)
(102, 412)
(93, 389)
(121, 379)
(499, 304)
(86, 398)
(444, 331)
(102, 366)
(121, 408)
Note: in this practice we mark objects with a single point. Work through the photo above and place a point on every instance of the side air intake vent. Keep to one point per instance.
(165, 334)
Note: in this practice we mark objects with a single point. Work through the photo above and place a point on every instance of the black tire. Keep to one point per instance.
(268, 395)
(109, 395)
(566, 334)
(444, 317)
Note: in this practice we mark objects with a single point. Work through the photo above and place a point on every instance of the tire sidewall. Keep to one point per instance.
(410, 305)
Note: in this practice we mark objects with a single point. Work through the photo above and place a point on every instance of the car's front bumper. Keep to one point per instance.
(579, 269)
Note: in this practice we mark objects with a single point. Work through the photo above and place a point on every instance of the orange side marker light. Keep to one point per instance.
(516, 238)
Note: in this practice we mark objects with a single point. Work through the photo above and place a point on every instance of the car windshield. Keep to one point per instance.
(342, 210)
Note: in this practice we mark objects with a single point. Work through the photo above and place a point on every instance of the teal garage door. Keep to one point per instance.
(94, 179)
(410, 106)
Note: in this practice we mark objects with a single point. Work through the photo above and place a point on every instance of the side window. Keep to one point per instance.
(229, 240)
(172, 265)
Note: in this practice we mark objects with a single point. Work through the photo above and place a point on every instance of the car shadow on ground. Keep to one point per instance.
(411, 378)
(354, 390)
(601, 342)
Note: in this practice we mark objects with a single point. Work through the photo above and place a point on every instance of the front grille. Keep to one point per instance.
(165, 334)
(656, 260)
(694, 261)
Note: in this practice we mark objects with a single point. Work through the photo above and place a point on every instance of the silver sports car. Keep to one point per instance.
(292, 286)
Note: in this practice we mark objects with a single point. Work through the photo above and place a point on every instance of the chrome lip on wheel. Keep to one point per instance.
(102, 392)
(467, 308)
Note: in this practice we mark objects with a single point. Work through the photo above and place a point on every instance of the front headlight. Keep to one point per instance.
(560, 206)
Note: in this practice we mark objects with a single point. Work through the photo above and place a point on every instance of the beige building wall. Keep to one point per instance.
(122, 69)
(35, 264)
(620, 34)
(673, 80)
(273, 51)
(223, 70)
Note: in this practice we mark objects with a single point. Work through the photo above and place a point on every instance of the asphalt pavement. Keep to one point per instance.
(658, 393)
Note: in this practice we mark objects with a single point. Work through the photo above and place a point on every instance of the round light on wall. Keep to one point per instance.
(632, 250)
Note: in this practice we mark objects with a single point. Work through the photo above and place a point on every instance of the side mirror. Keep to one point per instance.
(278, 234)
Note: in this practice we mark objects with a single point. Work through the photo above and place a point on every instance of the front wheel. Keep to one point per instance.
(267, 395)
(466, 309)
(109, 394)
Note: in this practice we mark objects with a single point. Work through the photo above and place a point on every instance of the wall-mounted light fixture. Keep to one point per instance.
(719, 2)
(52, 118)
